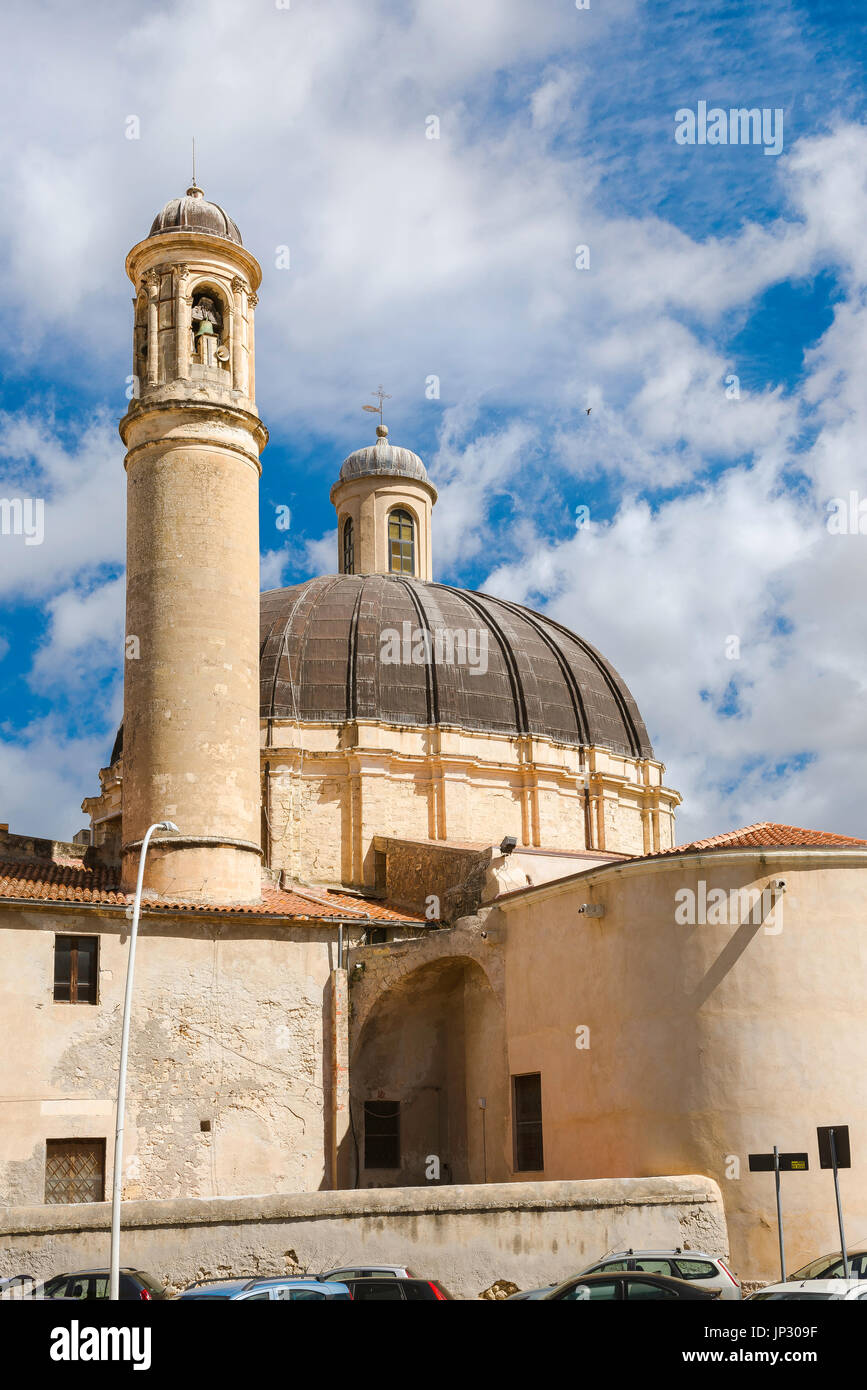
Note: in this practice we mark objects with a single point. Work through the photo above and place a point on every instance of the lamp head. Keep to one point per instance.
(168, 825)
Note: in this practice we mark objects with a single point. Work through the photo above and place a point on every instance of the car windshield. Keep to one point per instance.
(826, 1267)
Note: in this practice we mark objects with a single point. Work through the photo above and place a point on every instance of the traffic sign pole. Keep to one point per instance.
(839, 1207)
(779, 1213)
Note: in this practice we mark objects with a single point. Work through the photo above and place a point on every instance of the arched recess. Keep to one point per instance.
(211, 325)
(434, 1045)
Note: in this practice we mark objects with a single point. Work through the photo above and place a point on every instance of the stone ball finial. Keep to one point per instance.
(382, 431)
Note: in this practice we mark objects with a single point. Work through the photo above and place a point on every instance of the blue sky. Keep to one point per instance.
(455, 257)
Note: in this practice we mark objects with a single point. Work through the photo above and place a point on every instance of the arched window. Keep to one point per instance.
(348, 546)
(401, 542)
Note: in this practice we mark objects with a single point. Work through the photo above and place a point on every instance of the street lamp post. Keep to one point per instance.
(114, 1281)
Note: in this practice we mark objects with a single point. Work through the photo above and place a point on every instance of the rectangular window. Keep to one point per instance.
(527, 1122)
(382, 1134)
(75, 969)
(75, 1170)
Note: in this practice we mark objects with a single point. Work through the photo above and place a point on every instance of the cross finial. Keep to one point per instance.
(377, 409)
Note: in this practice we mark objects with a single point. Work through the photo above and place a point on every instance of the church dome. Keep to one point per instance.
(383, 457)
(321, 662)
(193, 213)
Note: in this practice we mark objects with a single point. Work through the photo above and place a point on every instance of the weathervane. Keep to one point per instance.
(377, 409)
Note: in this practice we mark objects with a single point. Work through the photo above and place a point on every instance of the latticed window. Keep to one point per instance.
(401, 543)
(75, 1170)
(382, 1134)
(75, 969)
(348, 547)
(527, 1122)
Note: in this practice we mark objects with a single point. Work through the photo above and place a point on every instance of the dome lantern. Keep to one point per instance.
(384, 500)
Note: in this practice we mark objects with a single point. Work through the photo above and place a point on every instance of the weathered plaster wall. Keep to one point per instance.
(706, 1042)
(530, 1233)
(230, 1024)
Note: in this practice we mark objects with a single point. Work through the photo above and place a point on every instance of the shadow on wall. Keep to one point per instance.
(431, 1047)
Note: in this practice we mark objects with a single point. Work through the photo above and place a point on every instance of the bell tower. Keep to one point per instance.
(193, 439)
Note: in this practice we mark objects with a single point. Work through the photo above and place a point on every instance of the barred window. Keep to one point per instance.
(348, 546)
(75, 1170)
(401, 542)
(527, 1122)
(75, 969)
(382, 1134)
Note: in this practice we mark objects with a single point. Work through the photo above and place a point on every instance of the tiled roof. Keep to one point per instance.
(52, 882)
(767, 835)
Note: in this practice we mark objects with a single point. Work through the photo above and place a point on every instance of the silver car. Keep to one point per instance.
(362, 1271)
(708, 1270)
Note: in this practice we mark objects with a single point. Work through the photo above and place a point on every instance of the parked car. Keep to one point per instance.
(94, 1283)
(523, 1294)
(839, 1290)
(283, 1290)
(360, 1271)
(831, 1267)
(391, 1288)
(617, 1285)
(708, 1270)
(17, 1286)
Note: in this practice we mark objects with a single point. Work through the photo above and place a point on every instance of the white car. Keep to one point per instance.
(368, 1271)
(707, 1270)
(847, 1290)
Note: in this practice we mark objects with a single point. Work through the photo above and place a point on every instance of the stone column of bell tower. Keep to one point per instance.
(193, 439)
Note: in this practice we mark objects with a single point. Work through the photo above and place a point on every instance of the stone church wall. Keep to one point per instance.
(331, 792)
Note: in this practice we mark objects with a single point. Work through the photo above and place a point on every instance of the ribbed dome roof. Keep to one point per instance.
(320, 661)
(194, 213)
(383, 457)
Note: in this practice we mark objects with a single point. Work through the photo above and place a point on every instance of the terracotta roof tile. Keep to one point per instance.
(767, 835)
(54, 882)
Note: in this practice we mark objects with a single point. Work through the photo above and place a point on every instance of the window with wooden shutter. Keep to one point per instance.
(76, 969)
(527, 1122)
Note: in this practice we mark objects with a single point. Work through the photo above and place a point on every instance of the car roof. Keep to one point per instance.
(670, 1252)
(361, 1264)
(248, 1284)
(308, 1281)
(602, 1276)
(216, 1286)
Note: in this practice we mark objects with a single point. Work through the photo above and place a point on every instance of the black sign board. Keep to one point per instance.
(841, 1144)
(789, 1163)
